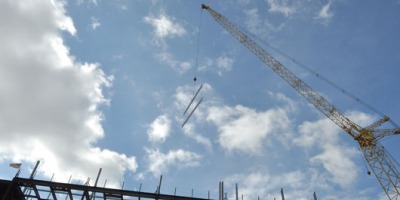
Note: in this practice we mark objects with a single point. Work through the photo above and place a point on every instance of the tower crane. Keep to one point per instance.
(382, 165)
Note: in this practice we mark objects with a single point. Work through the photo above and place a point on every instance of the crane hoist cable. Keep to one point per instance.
(197, 48)
(195, 77)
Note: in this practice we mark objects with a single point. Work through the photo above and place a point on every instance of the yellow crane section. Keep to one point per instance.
(367, 137)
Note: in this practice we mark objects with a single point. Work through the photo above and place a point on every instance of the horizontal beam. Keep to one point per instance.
(106, 191)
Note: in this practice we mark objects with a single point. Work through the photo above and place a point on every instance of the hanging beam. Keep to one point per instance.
(194, 97)
(192, 112)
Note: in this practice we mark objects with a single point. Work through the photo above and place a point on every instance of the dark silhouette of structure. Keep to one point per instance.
(22, 188)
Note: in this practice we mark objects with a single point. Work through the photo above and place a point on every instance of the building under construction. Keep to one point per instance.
(30, 188)
(23, 188)
(27, 188)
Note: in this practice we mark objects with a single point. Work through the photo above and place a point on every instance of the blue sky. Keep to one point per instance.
(89, 84)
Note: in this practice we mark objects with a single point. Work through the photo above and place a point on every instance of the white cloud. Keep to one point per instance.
(218, 65)
(164, 26)
(189, 130)
(267, 186)
(206, 64)
(160, 129)
(160, 163)
(79, 2)
(290, 104)
(95, 23)
(292, 10)
(224, 63)
(336, 158)
(361, 118)
(94, 2)
(325, 14)
(122, 4)
(297, 184)
(253, 20)
(312, 133)
(258, 26)
(49, 102)
(179, 66)
(281, 7)
(64, 22)
(338, 161)
(245, 2)
(123, 7)
(183, 95)
(244, 129)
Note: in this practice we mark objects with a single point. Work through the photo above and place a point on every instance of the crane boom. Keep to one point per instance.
(376, 156)
(313, 97)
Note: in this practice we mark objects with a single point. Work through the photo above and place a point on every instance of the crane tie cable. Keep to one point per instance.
(337, 87)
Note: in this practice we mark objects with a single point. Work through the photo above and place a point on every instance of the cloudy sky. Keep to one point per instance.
(89, 84)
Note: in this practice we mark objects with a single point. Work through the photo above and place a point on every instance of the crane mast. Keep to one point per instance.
(376, 156)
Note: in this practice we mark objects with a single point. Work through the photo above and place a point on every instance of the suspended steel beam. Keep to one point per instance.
(197, 105)
(194, 97)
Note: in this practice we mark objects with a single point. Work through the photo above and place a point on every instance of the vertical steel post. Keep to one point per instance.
(237, 192)
(219, 191)
(95, 183)
(34, 170)
(159, 185)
